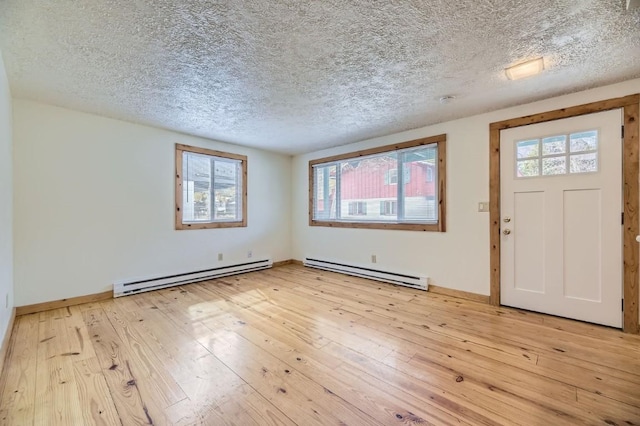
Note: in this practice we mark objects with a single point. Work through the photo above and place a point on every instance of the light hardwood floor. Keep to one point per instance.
(293, 345)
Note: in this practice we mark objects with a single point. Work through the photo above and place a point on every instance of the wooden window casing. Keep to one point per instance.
(438, 226)
(179, 224)
(630, 106)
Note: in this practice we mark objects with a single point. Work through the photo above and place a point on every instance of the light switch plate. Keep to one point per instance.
(483, 206)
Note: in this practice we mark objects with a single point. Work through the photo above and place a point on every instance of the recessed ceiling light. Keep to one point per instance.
(525, 69)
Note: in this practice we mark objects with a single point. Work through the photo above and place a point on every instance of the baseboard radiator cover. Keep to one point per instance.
(404, 279)
(126, 288)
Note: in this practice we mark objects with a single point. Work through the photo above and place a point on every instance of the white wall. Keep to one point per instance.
(6, 204)
(459, 258)
(94, 203)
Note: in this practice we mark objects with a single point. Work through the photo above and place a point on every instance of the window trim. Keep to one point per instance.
(440, 226)
(179, 150)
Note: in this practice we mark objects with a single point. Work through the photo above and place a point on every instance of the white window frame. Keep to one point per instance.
(388, 207)
(391, 177)
(357, 208)
(567, 155)
(429, 174)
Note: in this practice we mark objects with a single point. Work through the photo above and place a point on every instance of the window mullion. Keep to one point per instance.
(326, 202)
(400, 186)
(338, 192)
(239, 205)
(212, 191)
(567, 149)
(540, 172)
(187, 158)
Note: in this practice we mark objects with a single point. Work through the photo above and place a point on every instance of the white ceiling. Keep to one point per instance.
(295, 76)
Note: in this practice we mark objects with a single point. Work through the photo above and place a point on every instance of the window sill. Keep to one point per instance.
(398, 226)
(211, 225)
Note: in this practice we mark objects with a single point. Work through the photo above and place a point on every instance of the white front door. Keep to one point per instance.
(561, 204)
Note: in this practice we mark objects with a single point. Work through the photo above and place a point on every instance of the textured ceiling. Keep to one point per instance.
(295, 76)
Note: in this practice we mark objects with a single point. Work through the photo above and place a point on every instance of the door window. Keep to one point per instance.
(557, 155)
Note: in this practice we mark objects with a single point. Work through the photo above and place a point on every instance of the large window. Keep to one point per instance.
(400, 186)
(211, 188)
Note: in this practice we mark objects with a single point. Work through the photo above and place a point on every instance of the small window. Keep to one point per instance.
(557, 155)
(211, 188)
(388, 208)
(429, 174)
(400, 186)
(357, 208)
(391, 176)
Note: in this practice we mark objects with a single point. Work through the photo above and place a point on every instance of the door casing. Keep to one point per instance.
(630, 175)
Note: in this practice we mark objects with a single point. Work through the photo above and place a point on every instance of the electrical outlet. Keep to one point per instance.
(374, 258)
(219, 256)
(249, 254)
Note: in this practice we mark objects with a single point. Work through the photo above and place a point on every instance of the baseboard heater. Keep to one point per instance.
(408, 280)
(126, 288)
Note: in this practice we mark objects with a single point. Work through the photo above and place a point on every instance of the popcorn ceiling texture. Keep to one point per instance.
(296, 76)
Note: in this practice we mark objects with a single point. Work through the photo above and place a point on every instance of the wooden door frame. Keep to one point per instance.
(630, 175)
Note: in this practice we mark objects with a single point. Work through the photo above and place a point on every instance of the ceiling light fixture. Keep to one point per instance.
(525, 69)
(446, 99)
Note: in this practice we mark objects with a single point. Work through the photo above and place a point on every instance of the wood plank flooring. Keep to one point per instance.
(297, 346)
